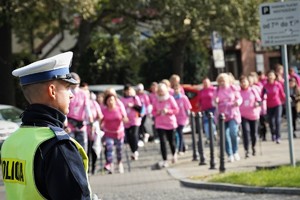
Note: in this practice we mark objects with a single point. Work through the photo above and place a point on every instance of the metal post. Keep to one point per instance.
(192, 120)
(211, 142)
(200, 143)
(288, 104)
(222, 141)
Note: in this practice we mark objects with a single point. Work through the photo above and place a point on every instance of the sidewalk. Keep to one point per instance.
(268, 154)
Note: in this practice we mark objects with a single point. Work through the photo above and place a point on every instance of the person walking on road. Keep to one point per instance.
(143, 134)
(250, 111)
(295, 102)
(205, 101)
(164, 110)
(94, 133)
(182, 116)
(227, 100)
(80, 114)
(40, 160)
(275, 98)
(113, 126)
(133, 106)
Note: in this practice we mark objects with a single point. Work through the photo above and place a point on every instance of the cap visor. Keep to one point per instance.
(71, 80)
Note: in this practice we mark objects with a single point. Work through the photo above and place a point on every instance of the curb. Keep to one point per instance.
(238, 188)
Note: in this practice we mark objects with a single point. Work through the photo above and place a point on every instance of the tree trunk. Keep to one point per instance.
(82, 43)
(178, 56)
(7, 91)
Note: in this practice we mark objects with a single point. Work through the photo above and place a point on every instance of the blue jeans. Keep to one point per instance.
(206, 122)
(180, 143)
(274, 117)
(231, 137)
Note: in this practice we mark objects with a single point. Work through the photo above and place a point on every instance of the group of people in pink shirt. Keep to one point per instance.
(110, 121)
(114, 120)
(248, 106)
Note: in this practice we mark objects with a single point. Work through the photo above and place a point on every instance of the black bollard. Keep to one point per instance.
(200, 143)
(192, 121)
(211, 141)
(222, 141)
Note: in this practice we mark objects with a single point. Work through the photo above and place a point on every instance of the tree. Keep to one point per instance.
(30, 21)
(7, 92)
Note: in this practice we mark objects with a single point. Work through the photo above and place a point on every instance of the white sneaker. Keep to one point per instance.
(146, 137)
(121, 168)
(165, 164)
(174, 159)
(135, 155)
(231, 158)
(237, 156)
(140, 143)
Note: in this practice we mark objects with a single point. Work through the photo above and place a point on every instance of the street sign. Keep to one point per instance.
(280, 23)
(218, 56)
(217, 48)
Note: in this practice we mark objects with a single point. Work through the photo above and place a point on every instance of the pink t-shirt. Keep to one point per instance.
(132, 114)
(227, 98)
(152, 97)
(168, 120)
(145, 100)
(248, 108)
(205, 98)
(97, 114)
(275, 94)
(184, 107)
(259, 87)
(79, 107)
(112, 123)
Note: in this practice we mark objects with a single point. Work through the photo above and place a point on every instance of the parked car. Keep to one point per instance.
(6, 128)
(10, 121)
(103, 87)
(191, 91)
(10, 113)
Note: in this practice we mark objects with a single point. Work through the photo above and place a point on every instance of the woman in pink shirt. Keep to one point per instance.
(164, 110)
(143, 135)
(250, 112)
(113, 127)
(133, 106)
(228, 99)
(205, 100)
(152, 98)
(182, 116)
(94, 133)
(258, 85)
(275, 98)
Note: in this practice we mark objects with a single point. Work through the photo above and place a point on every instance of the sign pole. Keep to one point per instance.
(288, 103)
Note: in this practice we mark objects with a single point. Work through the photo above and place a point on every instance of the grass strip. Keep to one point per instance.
(285, 176)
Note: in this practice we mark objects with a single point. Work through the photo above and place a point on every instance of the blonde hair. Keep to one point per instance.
(223, 76)
(163, 87)
(174, 79)
(166, 82)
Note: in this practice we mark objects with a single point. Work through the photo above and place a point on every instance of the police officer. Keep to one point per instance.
(40, 160)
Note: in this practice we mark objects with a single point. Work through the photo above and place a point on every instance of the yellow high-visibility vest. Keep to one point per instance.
(17, 161)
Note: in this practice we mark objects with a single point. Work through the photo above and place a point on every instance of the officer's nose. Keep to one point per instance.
(71, 95)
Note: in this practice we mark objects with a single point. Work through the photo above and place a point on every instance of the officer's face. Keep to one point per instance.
(63, 96)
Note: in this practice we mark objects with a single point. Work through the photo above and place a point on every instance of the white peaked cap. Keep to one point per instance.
(53, 68)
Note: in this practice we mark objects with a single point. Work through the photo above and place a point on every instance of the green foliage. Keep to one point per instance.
(116, 52)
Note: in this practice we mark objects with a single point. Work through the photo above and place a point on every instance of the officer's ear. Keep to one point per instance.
(52, 90)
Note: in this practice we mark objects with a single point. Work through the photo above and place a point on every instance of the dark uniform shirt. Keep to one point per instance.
(58, 167)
